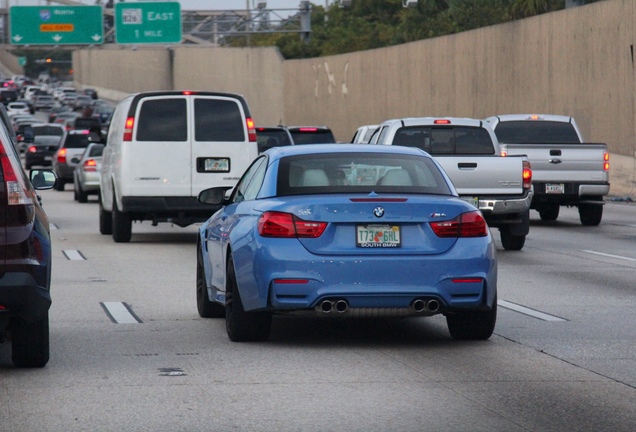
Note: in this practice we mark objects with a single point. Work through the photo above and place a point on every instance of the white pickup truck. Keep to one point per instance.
(467, 149)
(565, 170)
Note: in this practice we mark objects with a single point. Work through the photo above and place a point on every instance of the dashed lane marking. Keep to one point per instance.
(528, 311)
(74, 255)
(120, 313)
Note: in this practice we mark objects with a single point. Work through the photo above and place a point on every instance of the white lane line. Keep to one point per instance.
(527, 311)
(609, 255)
(74, 255)
(120, 313)
(52, 226)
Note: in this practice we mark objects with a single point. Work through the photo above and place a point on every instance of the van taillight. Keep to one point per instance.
(251, 130)
(605, 161)
(527, 175)
(15, 186)
(128, 129)
(61, 155)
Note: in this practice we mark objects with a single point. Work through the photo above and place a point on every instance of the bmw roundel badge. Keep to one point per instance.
(378, 212)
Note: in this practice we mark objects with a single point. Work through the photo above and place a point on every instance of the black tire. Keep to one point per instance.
(242, 326)
(59, 184)
(27, 166)
(105, 220)
(122, 225)
(206, 308)
(510, 241)
(472, 325)
(30, 343)
(81, 195)
(590, 214)
(549, 212)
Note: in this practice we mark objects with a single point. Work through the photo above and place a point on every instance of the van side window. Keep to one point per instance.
(218, 120)
(163, 120)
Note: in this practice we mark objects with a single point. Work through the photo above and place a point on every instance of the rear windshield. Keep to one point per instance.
(359, 173)
(163, 120)
(76, 141)
(269, 138)
(533, 132)
(48, 130)
(218, 120)
(446, 140)
(312, 136)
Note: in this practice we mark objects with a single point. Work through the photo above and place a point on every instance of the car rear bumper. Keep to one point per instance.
(22, 296)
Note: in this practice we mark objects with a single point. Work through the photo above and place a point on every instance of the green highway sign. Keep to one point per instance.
(147, 23)
(56, 25)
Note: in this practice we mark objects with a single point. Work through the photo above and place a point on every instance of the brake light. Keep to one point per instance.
(287, 225)
(527, 175)
(503, 150)
(128, 129)
(605, 161)
(251, 129)
(308, 129)
(89, 165)
(471, 224)
(32, 149)
(446, 121)
(15, 184)
(61, 155)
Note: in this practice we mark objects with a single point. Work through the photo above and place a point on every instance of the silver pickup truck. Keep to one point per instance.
(467, 149)
(565, 170)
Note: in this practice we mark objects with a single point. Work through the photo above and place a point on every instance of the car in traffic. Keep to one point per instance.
(345, 230)
(272, 136)
(40, 152)
(25, 261)
(43, 102)
(73, 144)
(311, 134)
(18, 108)
(363, 134)
(86, 175)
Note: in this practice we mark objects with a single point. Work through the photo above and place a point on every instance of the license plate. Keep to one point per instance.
(48, 158)
(554, 188)
(473, 200)
(216, 165)
(378, 236)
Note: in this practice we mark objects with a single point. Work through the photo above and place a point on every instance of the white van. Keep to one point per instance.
(163, 148)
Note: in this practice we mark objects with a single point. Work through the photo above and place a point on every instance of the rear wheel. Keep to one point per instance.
(472, 325)
(80, 194)
(549, 212)
(590, 214)
(30, 343)
(122, 225)
(105, 220)
(242, 326)
(510, 241)
(206, 308)
(59, 184)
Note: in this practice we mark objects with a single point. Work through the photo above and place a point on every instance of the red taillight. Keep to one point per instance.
(32, 149)
(471, 224)
(286, 225)
(606, 161)
(291, 281)
(90, 165)
(251, 130)
(308, 129)
(15, 186)
(467, 280)
(61, 155)
(527, 175)
(128, 129)
(445, 121)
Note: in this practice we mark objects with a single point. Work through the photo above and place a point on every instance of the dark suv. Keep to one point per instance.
(25, 258)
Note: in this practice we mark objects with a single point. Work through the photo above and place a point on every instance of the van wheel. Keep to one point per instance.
(105, 220)
(122, 225)
(30, 343)
(242, 326)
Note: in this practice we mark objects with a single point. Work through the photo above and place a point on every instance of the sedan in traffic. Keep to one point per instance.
(86, 175)
(40, 152)
(345, 230)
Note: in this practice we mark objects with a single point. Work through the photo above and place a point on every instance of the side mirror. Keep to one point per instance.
(42, 179)
(213, 196)
(75, 160)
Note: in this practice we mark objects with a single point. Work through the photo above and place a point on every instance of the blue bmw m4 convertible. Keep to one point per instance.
(345, 230)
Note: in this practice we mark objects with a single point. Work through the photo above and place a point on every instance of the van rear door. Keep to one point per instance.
(221, 148)
(159, 157)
